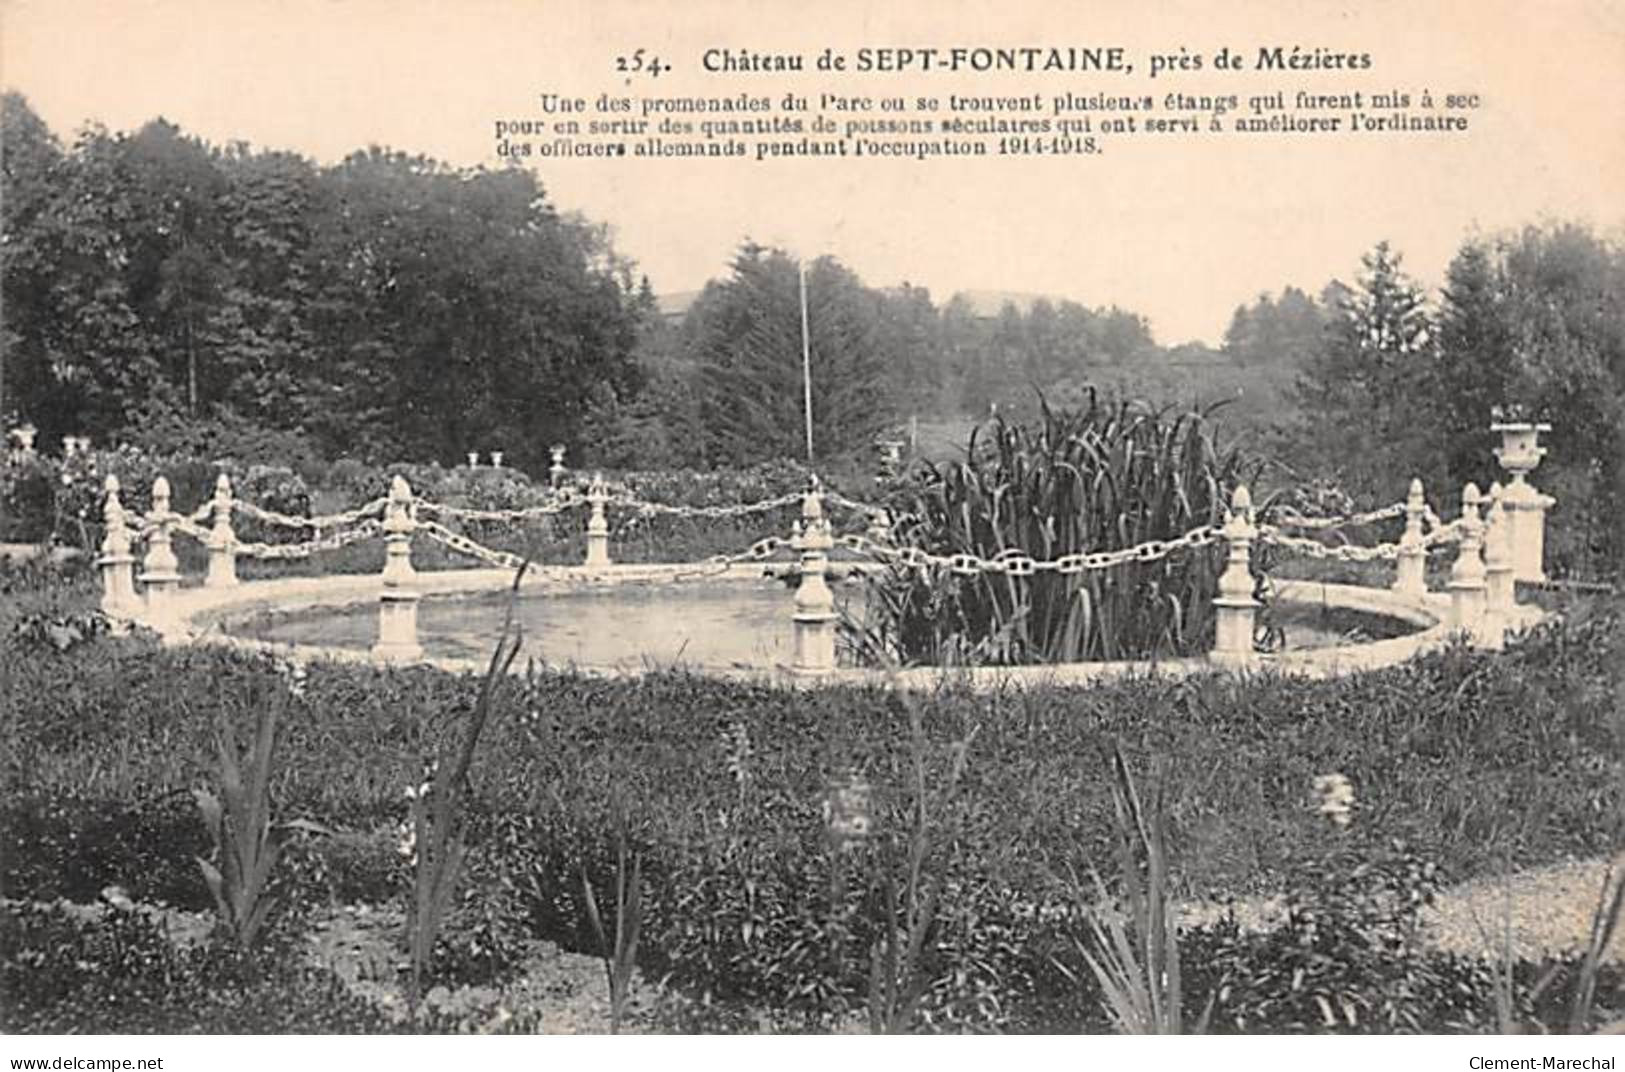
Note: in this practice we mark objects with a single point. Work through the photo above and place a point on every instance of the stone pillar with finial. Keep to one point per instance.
(1236, 607)
(222, 541)
(1500, 593)
(555, 471)
(1519, 453)
(398, 601)
(1467, 574)
(814, 614)
(160, 572)
(597, 523)
(1410, 577)
(117, 563)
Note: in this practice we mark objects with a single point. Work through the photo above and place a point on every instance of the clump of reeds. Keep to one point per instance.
(1108, 476)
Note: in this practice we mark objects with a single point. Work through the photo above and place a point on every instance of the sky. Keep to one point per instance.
(1178, 228)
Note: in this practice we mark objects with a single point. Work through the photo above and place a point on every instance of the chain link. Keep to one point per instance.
(645, 508)
(1290, 518)
(568, 501)
(328, 521)
(365, 530)
(1443, 534)
(457, 542)
(760, 551)
(186, 528)
(837, 499)
(1274, 537)
(1016, 563)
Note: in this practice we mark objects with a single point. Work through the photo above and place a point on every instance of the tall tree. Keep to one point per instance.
(31, 161)
(1363, 394)
(745, 334)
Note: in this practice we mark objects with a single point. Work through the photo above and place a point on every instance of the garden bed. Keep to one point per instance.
(1475, 762)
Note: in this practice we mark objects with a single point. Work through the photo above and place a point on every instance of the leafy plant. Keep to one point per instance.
(1135, 961)
(62, 633)
(620, 952)
(439, 818)
(239, 822)
(897, 979)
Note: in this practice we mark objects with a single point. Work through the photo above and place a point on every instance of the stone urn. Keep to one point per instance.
(1520, 450)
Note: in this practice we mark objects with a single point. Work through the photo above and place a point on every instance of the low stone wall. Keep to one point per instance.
(207, 615)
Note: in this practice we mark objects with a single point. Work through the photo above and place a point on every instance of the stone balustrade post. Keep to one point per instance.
(398, 600)
(1500, 591)
(814, 614)
(1235, 604)
(222, 542)
(116, 562)
(597, 523)
(1467, 600)
(1520, 452)
(160, 572)
(1410, 577)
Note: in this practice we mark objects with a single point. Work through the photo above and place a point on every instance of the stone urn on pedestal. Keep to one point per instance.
(1519, 453)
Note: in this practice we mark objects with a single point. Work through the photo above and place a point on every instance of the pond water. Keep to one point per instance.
(699, 623)
(703, 623)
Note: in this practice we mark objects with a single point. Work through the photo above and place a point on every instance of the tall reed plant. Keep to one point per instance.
(439, 814)
(1133, 945)
(1109, 476)
(238, 819)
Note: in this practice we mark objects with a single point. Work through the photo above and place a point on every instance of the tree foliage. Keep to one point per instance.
(385, 307)
(1530, 324)
(746, 336)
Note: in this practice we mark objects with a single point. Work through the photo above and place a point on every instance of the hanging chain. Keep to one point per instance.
(328, 521)
(1015, 563)
(1274, 537)
(645, 508)
(1289, 518)
(567, 501)
(457, 542)
(364, 531)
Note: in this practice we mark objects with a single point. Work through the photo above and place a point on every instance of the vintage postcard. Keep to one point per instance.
(550, 517)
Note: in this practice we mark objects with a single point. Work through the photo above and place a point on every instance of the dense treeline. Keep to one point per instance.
(230, 301)
(1530, 325)
(159, 288)
(725, 375)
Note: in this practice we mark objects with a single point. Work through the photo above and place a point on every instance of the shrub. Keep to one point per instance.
(119, 972)
(1473, 760)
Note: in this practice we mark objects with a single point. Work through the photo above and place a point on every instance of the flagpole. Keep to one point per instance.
(806, 362)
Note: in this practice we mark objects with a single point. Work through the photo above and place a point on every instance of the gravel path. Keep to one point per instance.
(1549, 910)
